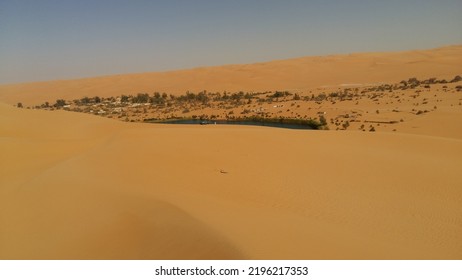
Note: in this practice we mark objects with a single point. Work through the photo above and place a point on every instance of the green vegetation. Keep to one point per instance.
(249, 106)
(314, 124)
(60, 103)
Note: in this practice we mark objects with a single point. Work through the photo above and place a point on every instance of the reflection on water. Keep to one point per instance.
(240, 122)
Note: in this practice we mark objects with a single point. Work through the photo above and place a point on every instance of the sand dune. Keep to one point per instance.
(77, 186)
(300, 74)
(83, 187)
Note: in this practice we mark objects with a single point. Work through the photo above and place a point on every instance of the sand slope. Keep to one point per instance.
(299, 74)
(84, 187)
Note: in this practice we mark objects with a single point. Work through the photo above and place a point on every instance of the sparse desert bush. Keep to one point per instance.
(346, 124)
(456, 79)
(60, 103)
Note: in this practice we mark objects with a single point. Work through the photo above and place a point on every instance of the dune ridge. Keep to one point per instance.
(298, 75)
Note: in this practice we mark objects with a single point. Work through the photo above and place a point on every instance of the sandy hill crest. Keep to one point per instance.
(299, 74)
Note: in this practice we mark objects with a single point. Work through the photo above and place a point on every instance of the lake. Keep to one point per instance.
(238, 122)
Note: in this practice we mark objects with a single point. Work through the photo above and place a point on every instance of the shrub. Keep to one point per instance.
(346, 124)
(60, 103)
(124, 98)
(456, 79)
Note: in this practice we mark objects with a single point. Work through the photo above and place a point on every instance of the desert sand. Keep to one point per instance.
(299, 74)
(79, 186)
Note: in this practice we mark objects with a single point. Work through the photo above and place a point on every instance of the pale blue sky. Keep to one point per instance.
(61, 39)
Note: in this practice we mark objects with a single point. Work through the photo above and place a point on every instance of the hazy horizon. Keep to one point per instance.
(50, 40)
